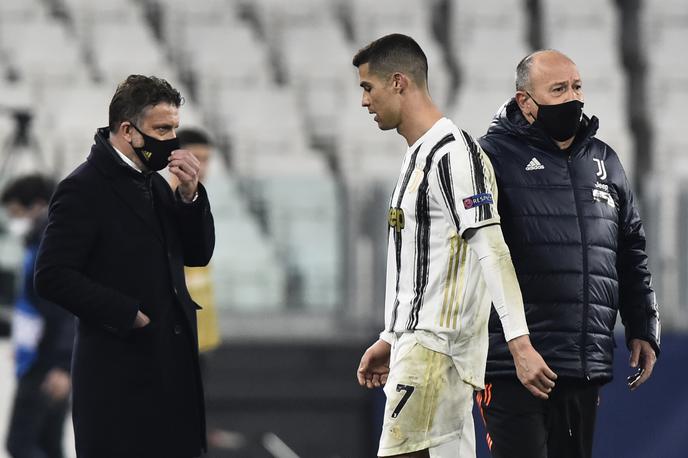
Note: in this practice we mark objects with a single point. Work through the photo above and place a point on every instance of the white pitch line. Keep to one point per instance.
(277, 447)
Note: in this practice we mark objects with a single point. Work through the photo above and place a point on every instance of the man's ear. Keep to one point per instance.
(399, 82)
(522, 100)
(125, 129)
(525, 103)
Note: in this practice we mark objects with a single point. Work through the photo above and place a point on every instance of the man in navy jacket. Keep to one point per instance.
(577, 242)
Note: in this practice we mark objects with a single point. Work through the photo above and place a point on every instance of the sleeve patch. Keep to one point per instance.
(478, 200)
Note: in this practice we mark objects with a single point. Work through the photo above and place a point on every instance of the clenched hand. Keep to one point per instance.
(184, 165)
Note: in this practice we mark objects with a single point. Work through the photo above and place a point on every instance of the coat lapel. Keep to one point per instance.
(132, 194)
(128, 184)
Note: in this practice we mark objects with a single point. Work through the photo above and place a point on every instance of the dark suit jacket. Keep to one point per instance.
(117, 242)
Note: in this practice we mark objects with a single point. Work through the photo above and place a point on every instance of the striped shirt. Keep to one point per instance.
(434, 281)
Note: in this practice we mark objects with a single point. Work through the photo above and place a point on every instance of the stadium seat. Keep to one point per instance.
(221, 56)
(41, 52)
(668, 109)
(371, 20)
(21, 11)
(490, 39)
(6, 128)
(576, 29)
(317, 63)
(476, 106)
(68, 121)
(309, 243)
(131, 48)
(177, 15)
(664, 29)
(88, 17)
(247, 271)
(258, 121)
(276, 15)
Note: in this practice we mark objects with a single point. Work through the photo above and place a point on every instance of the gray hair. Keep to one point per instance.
(523, 72)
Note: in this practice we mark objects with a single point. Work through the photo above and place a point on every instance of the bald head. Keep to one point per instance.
(547, 77)
(537, 62)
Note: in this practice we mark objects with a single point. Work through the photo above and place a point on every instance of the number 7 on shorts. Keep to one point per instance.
(408, 392)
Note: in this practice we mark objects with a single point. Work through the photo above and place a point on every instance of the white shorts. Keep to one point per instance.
(428, 405)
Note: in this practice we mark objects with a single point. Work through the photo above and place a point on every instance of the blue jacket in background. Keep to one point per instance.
(577, 242)
(43, 332)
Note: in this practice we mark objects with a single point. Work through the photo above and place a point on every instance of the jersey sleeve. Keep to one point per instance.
(464, 184)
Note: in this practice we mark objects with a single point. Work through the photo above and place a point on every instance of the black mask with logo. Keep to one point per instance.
(155, 153)
(560, 121)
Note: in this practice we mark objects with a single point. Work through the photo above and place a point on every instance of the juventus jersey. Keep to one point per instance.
(435, 287)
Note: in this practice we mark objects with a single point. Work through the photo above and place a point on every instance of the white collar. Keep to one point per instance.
(128, 161)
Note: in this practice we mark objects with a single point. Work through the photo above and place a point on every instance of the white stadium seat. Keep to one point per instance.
(246, 268)
(222, 56)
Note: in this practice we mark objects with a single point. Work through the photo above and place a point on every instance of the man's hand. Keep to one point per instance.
(531, 369)
(184, 165)
(57, 384)
(374, 367)
(643, 356)
(141, 320)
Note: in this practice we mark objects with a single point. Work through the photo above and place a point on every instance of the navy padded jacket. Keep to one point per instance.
(577, 244)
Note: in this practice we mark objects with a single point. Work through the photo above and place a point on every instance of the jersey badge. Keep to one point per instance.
(477, 200)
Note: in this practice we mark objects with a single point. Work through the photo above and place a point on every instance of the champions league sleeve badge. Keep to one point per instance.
(477, 200)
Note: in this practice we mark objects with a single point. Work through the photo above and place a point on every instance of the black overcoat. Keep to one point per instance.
(116, 242)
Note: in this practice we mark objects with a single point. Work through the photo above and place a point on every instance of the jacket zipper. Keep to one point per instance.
(586, 292)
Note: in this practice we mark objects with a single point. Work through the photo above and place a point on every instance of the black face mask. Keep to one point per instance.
(561, 121)
(154, 152)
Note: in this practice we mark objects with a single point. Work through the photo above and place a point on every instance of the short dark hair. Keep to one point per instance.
(137, 93)
(193, 136)
(28, 190)
(394, 53)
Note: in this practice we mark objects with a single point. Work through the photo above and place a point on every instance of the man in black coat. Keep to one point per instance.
(577, 243)
(114, 254)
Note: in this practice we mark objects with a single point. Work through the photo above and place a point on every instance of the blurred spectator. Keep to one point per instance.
(199, 280)
(42, 335)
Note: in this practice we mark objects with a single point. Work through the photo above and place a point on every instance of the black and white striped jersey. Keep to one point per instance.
(434, 281)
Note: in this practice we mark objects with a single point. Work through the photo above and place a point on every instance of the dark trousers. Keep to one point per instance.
(519, 425)
(36, 426)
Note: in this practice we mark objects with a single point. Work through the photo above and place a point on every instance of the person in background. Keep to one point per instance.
(199, 280)
(42, 335)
